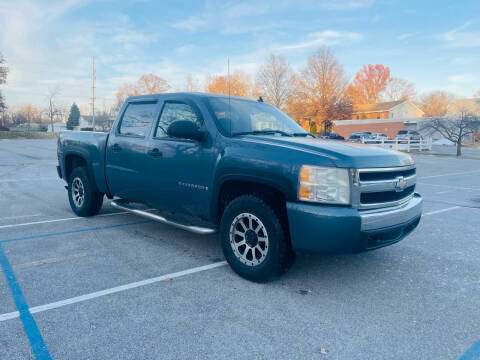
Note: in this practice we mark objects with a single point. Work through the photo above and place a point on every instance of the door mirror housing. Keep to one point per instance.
(185, 129)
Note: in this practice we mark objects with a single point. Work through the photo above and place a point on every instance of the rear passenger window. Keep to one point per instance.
(173, 111)
(137, 119)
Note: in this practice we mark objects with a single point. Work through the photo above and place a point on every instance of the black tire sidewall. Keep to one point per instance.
(272, 264)
(91, 197)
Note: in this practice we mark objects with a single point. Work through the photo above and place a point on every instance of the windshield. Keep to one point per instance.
(243, 116)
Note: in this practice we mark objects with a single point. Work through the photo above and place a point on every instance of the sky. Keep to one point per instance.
(49, 45)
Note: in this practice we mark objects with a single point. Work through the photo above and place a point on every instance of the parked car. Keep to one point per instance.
(361, 137)
(405, 135)
(380, 136)
(243, 168)
(332, 136)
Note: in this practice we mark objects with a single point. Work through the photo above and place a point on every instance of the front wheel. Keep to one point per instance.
(254, 241)
(84, 199)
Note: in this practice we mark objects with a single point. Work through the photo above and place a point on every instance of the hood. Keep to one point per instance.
(342, 154)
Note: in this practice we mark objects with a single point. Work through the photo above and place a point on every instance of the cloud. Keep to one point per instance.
(404, 36)
(322, 38)
(460, 37)
(346, 5)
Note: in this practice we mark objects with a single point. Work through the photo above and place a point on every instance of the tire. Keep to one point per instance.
(249, 227)
(84, 199)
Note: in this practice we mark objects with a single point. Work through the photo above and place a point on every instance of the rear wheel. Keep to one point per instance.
(84, 199)
(254, 241)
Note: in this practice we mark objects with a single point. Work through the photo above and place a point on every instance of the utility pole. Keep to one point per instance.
(93, 93)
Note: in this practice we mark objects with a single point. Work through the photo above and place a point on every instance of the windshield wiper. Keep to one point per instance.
(262, 132)
(305, 134)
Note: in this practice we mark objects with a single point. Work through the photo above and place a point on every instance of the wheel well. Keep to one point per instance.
(71, 162)
(234, 188)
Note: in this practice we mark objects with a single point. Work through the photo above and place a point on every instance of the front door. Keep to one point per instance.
(127, 164)
(181, 169)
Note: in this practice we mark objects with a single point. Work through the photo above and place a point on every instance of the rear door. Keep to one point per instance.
(127, 166)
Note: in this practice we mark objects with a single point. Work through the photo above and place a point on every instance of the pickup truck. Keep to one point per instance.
(243, 168)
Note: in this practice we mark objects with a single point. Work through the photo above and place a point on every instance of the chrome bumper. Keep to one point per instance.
(392, 216)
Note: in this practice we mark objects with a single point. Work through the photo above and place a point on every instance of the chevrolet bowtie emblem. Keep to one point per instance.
(400, 183)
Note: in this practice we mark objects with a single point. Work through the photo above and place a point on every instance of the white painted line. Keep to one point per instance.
(8, 316)
(93, 295)
(442, 210)
(30, 179)
(57, 220)
(18, 217)
(450, 174)
(48, 261)
(450, 186)
(66, 219)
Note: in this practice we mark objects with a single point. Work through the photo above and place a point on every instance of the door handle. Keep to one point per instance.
(155, 152)
(116, 147)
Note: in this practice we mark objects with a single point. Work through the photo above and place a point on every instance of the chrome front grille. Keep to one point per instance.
(382, 187)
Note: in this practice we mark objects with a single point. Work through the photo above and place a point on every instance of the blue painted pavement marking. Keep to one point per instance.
(73, 231)
(36, 341)
(471, 354)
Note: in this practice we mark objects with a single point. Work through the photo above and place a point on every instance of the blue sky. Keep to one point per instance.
(48, 44)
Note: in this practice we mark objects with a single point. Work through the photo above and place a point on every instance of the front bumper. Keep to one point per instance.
(337, 229)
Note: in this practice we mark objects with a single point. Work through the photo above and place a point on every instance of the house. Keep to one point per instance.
(387, 118)
(401, 109)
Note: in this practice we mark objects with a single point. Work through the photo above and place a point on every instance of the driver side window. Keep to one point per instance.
(173, 111)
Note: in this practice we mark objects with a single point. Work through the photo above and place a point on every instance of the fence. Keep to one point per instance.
(402, 145)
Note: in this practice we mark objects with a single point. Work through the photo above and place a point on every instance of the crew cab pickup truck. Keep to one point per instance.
(243, 168)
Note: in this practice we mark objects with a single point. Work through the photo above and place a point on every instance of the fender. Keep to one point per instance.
(279, 184)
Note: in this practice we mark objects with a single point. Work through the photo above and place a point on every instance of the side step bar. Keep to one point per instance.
(124, 205)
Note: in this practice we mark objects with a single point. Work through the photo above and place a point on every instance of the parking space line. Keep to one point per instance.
(29, 179)
(30, 326)
(64, 219)
(39, 236)
(471, 354)
(113, 290)
(49, 261)
(449, 174)
(450, 186)
(442, 210)
(18, 217)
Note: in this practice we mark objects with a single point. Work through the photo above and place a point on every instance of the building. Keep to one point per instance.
(387, 118)
(387, 110)
(102, 122)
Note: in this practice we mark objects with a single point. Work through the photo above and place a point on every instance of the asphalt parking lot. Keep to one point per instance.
(117, 286)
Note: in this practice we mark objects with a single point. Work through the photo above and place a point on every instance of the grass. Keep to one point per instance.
(22, 135)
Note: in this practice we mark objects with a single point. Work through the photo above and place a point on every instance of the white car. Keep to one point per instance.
(380, 136)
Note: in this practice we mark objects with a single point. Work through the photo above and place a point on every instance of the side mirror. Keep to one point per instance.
(185, 129)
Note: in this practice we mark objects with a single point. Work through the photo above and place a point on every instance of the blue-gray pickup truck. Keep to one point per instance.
(243, 168)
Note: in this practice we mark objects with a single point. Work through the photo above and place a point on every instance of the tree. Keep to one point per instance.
(73, 117)
(320, 91)
(400, 89)
(369, 84)
(146, 84)
(238, 84)
(191, 83)
(435, 103)
(52, 109)
(274, 81)
(455, 128)
(3, 80)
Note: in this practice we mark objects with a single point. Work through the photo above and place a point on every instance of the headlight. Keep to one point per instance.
(328, 185)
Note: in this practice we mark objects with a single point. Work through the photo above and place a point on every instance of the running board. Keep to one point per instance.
(124, 205)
